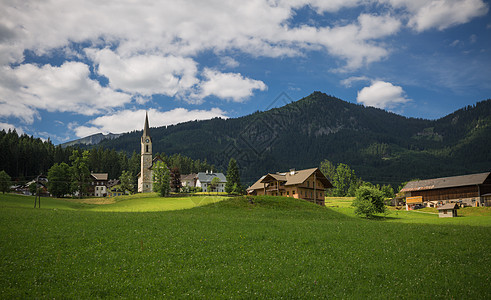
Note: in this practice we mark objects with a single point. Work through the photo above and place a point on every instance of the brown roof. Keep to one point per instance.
(99, 176)
(189, 176)
(297, 178)
(448, 206)
(446, 182)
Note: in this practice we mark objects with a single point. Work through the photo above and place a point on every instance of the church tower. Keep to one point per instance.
(145, 179)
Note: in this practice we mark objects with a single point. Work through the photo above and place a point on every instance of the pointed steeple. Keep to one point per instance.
(146, 129)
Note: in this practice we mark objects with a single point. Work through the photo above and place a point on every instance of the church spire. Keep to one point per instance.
(146, 129)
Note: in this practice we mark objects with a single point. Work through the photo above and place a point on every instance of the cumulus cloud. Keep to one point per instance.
(146, 74)
(151, 48)
(440, 14)
(165, 28)
(67, 88)
(7, 127)
(382, 94)
(128, 120)
(231, 86)
(229, 62)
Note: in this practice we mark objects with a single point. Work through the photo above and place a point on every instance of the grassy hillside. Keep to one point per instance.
(270, 248)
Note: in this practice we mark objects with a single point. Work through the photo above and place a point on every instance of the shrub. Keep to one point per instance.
(368, 201)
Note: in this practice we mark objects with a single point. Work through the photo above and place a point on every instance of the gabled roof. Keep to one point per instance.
(291, 178)
(208, 177)
(446, 182)
(257, 185)
(302, 175)
(99, 176)
(273, 177)
(189, 176)
(448, 206)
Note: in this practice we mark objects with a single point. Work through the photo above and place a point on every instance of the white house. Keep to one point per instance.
(205, 178)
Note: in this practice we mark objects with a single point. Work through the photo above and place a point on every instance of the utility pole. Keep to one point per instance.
(37, 197)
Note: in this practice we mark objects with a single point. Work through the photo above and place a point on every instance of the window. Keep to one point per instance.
(445, 212)
(293, 192)
(287, 193)
(146, 148)
(307, 184)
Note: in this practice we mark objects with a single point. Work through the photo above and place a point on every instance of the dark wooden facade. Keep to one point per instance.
(466, 189)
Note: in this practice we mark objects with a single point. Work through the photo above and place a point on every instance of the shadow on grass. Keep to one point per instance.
(381, 218)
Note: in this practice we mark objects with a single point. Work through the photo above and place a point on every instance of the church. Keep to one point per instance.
(145, 177)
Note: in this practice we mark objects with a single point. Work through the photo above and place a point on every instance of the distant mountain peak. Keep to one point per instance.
(92, 139)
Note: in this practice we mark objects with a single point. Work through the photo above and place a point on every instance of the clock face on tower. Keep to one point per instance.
(147, 140)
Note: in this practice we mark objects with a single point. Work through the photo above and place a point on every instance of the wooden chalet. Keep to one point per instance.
(309, 184)
(466, 190)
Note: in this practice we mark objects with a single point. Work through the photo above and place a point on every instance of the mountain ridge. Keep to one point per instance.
(382, 147)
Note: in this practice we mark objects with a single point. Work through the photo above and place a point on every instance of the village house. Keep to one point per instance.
(309, 184)
(98, 185)
(465, 190)
(205, 178)
(189, 180)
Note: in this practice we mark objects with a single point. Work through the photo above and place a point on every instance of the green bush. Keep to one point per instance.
(368, 201)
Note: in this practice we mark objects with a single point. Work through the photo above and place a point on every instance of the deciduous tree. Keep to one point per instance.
(80, 171)
(161, 179)
(4, 181)
(213, 184)
(368, 201)
(175, 180)
(127, 183)
(59, 179)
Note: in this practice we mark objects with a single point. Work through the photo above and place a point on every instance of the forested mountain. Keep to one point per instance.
(382, 147)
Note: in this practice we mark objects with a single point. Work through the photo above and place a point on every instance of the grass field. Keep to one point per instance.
(271, 248)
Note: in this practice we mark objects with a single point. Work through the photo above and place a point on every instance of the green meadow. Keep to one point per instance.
(144, 246)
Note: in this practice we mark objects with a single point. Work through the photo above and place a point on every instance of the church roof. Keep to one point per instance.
(146, 129)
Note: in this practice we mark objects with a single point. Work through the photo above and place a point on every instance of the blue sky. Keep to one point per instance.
(74, 68)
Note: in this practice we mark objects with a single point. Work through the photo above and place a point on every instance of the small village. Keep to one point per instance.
(447, 194)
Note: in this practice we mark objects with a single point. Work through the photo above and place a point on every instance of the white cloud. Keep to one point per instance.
(456, 43)
(7, 127)
(440, 14)
(382, 94)
(67, 88)
(187, 28)
(231, 86)
(349, 81)
(83, 131)
(146, 74)
(355, 42)
(128, 120)
(229, 62)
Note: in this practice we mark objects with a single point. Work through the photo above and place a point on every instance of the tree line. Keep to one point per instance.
(24, 157)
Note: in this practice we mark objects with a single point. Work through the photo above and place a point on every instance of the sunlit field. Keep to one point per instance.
(260, 247)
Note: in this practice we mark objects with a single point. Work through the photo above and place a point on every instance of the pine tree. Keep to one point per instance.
(233, 178)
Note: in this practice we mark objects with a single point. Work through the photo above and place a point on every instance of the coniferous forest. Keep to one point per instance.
(381, 147)
(24, 157)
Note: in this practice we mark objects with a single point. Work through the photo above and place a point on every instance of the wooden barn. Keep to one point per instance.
(465, 190)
